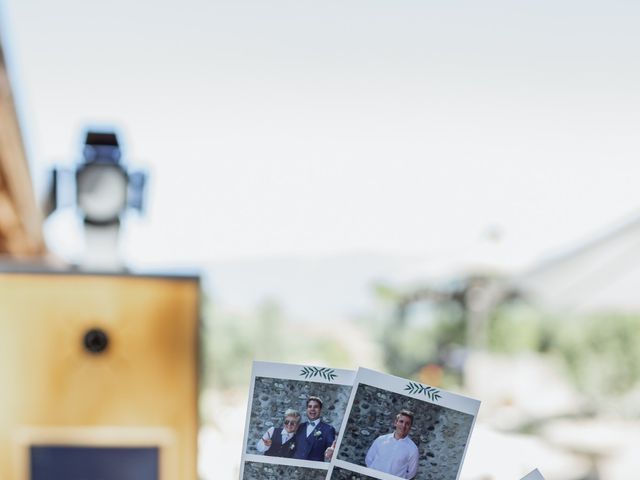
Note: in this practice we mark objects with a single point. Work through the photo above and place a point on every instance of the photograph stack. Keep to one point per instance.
(317, 423)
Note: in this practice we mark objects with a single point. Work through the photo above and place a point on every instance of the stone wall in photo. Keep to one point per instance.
(272, 396)
(267, 471)
(440, 433)
(342, 474)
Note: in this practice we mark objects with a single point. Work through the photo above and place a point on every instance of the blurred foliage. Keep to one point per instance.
(601, 353)
(517, 327)
(423, 337)
(426, 340)
(232, 340)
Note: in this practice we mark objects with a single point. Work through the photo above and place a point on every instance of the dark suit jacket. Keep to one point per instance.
(313, 446)
(279, 449)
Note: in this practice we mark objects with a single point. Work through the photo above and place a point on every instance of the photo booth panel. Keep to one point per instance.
(108, 453)
(87, 351)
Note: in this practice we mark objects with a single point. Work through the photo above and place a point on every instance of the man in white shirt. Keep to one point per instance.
(395, 453)
(279, 442)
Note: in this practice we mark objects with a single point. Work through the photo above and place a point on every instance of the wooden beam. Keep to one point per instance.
(20, 216)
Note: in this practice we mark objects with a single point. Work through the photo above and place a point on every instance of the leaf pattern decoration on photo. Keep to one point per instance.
(430, 392)
(325, 373)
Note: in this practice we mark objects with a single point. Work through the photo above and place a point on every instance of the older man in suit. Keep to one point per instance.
(280, 441)
(314, 436)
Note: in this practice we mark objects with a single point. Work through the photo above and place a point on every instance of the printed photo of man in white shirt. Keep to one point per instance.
(395, 453)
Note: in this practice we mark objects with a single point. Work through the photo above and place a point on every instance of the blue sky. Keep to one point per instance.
(300, 127)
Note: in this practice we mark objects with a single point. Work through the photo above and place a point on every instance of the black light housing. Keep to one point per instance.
(104, 188)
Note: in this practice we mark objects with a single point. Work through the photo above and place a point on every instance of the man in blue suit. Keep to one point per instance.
(314, 437)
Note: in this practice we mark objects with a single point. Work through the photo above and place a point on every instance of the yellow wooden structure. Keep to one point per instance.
(140, 390)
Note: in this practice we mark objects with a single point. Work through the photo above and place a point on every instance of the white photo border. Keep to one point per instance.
(288, 371)
(408, 388)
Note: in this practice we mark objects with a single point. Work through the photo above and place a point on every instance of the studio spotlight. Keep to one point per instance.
(104, 190)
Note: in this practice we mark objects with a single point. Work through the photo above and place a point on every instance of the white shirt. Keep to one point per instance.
(311, 426)
(397, 457)
(262, 448)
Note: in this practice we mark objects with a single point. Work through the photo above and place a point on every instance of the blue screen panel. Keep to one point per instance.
(61, 462)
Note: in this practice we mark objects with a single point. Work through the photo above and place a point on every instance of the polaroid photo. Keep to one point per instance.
(274, 471)
(534, 475)
(397, 428)
(293, 417)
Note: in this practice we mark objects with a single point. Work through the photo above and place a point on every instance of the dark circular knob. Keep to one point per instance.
(96, 341)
